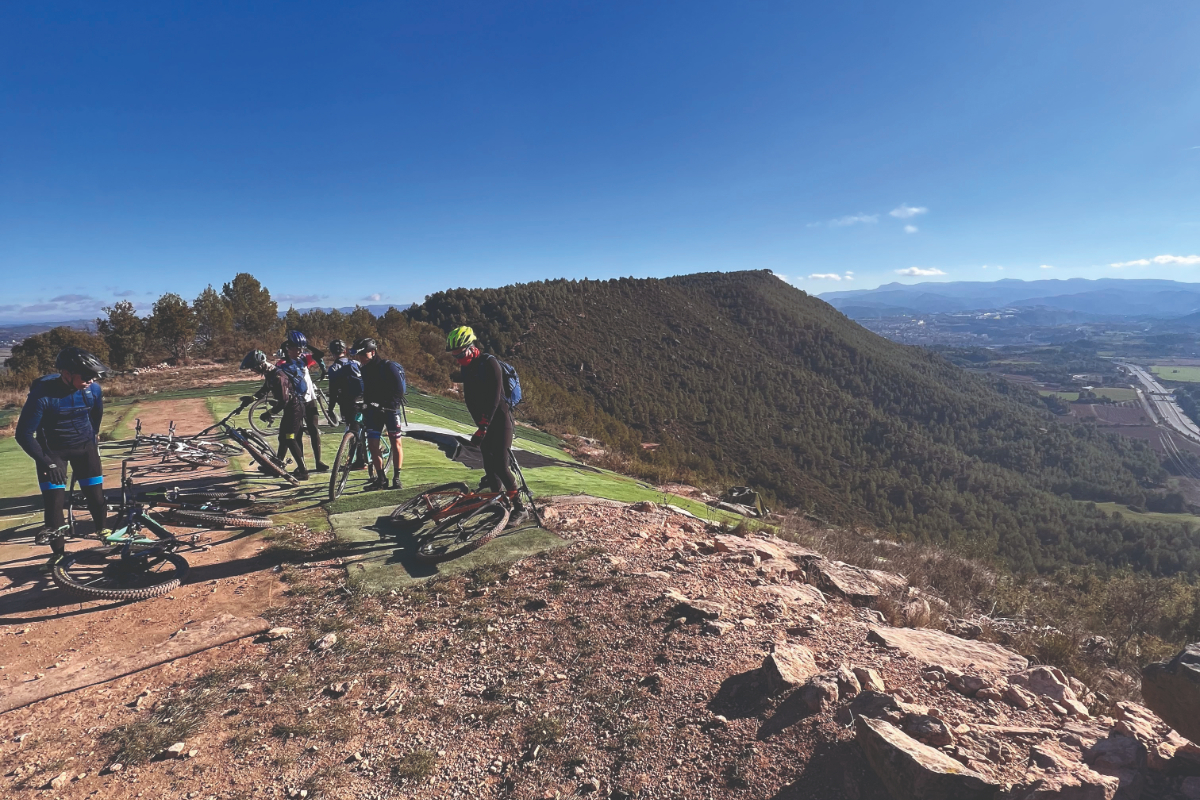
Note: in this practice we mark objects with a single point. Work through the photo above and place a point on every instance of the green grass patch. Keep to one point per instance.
(1069, 397)
(1149, 516)
(1116, 394)
(1180, 374)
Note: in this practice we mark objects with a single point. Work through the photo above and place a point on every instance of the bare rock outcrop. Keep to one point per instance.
(789, 666)
(1172, 690)
(914, 771)
(1050, 682)
(942, 649)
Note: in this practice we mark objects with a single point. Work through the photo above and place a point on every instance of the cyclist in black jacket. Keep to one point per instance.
(346, 390)
(383, 385)
(60, 425)
(483, 390)
(287, 396)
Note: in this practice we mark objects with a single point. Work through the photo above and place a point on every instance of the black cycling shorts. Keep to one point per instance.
(85, 467)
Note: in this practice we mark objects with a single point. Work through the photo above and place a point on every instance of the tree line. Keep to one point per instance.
(224, 325)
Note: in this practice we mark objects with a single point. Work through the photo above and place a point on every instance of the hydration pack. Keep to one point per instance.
(512, 383)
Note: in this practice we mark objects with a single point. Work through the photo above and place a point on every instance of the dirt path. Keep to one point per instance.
(43, 628)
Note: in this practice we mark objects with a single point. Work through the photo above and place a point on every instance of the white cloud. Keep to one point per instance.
(824, 276)
(907, 211)
(854, 219)
(1046, 266)
(911, 229)
(920, 272)
(373, 298)
(1185, 261)
(849, 272)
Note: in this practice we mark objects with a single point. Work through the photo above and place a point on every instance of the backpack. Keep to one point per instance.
(512, 383)
(403, 383)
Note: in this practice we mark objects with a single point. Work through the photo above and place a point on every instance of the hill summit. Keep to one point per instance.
(740, 377)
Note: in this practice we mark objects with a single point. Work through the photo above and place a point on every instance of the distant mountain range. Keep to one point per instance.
(1104, 297)
(377, 310)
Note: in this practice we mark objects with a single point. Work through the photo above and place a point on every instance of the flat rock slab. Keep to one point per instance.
(762, 548)
(383, 558)
(914, 771)
(859, 586)
(936, 648)
(795, 594)
(217, 631)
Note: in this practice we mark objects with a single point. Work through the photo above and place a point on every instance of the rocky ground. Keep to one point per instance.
(651, 658)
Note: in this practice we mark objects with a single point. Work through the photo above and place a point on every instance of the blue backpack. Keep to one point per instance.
(512, 383)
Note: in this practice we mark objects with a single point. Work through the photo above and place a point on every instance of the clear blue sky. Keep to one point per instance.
(341, 151)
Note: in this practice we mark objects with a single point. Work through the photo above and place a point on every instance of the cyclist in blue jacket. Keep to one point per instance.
(346, 390)
(60, 426)
(383, 385)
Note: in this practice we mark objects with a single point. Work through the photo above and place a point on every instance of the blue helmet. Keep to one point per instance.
(297, 338)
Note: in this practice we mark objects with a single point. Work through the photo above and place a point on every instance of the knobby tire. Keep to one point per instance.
(228, 519)
(101, 573)
(341, 465)
(268, 461)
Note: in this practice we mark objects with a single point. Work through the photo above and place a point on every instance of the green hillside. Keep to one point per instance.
(742, 378)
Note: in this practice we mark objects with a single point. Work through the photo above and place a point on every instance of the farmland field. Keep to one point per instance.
(1181, 374)
(1117, 395)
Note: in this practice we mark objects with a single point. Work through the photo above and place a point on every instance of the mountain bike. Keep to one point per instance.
(354, 450)
(136, 561)
(252, 442)
(466, 519)
(199, 452)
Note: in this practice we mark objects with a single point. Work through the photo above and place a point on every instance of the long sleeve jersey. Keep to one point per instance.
(483, 389)
(383, 383)
(345, 381)
(56, 416)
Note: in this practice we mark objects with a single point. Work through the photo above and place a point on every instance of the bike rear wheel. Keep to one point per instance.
(464, 533)
(108, 573)
(220, 448)
(429, 503)
(225, 519)
(341, 465)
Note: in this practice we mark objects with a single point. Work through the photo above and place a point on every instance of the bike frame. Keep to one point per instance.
(474, 500)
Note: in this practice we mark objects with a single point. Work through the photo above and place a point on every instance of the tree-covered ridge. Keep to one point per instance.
(741, 376)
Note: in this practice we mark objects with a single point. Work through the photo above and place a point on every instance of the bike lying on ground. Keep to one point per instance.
(353, 452)
(466, 519)
(137, 560)
(264, 421)
(252, 443)
(196, 451)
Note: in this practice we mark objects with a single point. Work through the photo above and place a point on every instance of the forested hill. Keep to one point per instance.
(742, 376)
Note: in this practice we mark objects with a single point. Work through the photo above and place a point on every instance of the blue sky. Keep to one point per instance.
(361, 152)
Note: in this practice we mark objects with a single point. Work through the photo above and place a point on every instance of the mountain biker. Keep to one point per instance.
(346, 389)
(60, 425)
(483, 390)
(383, 384)
(296, 362)
(288, 398)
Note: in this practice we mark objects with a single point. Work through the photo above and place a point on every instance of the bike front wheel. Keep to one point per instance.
(107, 573)
(202, 458)
(341, 465)
(260, 426)
(464, 533)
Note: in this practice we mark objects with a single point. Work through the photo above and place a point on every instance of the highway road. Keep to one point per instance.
(1156, 397)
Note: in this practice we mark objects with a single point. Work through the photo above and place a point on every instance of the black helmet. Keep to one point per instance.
(337, 347)
(297, 338)
(255, 360)
(364, 346)
(78, 361)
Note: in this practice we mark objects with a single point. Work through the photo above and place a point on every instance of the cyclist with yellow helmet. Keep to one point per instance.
(483, 391)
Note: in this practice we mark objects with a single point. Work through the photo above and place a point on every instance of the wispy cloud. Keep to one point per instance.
(301, 298)
(907, 211)
(854, 219)
(911, 229)
(920, 272)
(125, 293)
(1047, 266)
(824, 276)
(373, 298)
(1185, 261)
(38, 308)
(70, 298)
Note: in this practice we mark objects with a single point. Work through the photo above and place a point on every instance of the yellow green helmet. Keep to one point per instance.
(460, 337)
